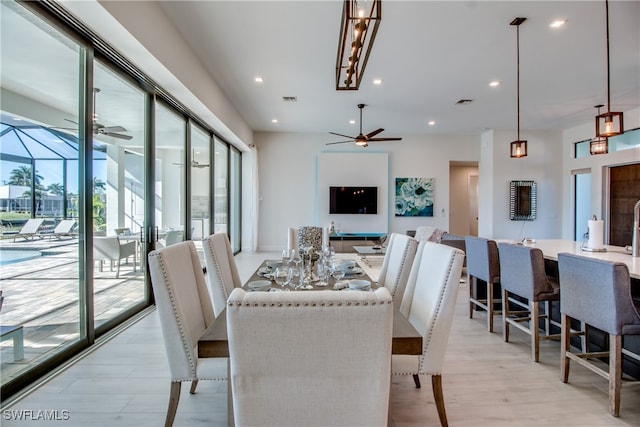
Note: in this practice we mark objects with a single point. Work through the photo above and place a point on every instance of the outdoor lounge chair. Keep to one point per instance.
(65, 228)
(30, 229)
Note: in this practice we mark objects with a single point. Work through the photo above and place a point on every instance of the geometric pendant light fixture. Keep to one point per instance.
(358, 29)
(608, 123)
(518, 147)
(599, 144)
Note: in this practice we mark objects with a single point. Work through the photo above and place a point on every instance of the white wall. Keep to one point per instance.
(543, 165)
(362, 168)
(289, 180)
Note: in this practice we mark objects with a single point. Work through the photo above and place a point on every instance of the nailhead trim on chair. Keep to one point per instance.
(307, 304)
(395, 282)
(192, 363)
(430, 331)
(218, 273)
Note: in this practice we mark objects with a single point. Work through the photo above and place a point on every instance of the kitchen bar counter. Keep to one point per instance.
(552, 247)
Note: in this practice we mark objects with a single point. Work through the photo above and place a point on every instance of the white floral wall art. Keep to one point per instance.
(414, 196)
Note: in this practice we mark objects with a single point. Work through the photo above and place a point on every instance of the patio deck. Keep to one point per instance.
(41, 294)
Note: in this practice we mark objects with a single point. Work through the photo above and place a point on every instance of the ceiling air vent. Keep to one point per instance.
(290, 98)
(464, 102)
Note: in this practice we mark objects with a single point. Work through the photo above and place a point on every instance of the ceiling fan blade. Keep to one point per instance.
(385, 139)
(339, 142)
(374, 133)
(113, 129)
(117, 135)
(340, 134)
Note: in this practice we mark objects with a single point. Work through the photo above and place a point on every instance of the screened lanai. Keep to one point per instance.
(39, 168)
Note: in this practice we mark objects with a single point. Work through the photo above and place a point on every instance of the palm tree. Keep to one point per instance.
(22, 176)
(56, 189)
(99, 186)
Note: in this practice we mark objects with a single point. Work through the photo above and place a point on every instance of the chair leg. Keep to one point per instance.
(505, 315)
(490, 306)
(174, 398)
(117, 269)
(472, 284)
(615, 373)
(547, 319)
(436, 385)
(534, 327)
(564, 348)
(194, 384)
(416, 380)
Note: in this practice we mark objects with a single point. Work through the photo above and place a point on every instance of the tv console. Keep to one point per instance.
(344, 242)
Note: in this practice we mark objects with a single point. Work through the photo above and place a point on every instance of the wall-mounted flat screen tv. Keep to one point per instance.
(353, 200)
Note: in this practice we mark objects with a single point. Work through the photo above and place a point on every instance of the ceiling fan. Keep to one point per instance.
(363, 140)
(100, 129)
(194, 163)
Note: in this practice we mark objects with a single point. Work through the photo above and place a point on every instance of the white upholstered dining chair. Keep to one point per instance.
(429, 302)
(222, 271)
(310, 358)
(185, 311)
(396, 265)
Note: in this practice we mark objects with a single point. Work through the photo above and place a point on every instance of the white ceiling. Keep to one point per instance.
(429, 54)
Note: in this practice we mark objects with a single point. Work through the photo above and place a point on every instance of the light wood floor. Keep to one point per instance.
(486, 383)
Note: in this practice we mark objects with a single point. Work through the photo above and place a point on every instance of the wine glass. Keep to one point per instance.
(337, 272)
(282, 275)
(286, 256)
(322, 270)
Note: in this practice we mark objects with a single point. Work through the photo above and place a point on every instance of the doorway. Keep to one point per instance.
(463, 198)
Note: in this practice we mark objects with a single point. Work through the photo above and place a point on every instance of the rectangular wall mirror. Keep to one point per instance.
(522, 200)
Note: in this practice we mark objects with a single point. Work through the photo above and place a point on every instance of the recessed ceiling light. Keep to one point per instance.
(377, 81)
(258, 79)
(432, 122)
(274, 120)
(352, 122)
(494, 83)
(558, 23)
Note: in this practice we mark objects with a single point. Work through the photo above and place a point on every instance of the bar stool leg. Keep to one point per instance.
(473, 282)
(490, 306)
(615, 373)
(505, 315)
(534, 308)
(564, 348)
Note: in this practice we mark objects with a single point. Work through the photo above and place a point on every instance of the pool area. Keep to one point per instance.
(11, 256)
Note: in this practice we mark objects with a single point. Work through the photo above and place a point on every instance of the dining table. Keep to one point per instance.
(214, 342)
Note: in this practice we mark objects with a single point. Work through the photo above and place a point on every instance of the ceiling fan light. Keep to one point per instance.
(361, 142)
(519, 149)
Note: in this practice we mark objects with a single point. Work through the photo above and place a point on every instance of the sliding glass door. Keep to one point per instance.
(39, 155)
(98, 165)
(118, 197)
(170, 167)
